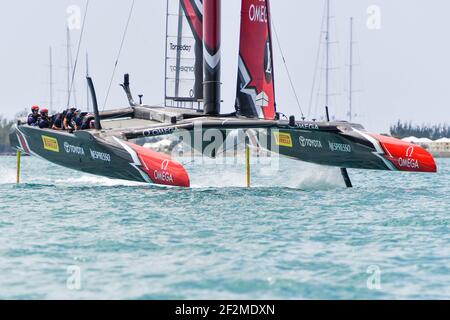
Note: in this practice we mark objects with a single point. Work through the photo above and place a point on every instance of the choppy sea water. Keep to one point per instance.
(297, 234)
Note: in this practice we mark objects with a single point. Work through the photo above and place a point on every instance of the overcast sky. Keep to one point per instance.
(403, 57)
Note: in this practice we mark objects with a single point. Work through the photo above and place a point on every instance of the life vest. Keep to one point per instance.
(57, 120)
(33, 119)
(44, 123)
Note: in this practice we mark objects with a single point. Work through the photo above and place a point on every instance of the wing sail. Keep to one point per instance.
(255, 86)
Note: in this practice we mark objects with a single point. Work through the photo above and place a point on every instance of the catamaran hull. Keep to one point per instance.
(340, 145)
(87, 153)
(354, 149)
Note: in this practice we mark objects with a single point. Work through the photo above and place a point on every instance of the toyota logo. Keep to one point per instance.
(302, 141)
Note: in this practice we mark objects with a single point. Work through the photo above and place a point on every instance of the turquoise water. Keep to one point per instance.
(298, 234)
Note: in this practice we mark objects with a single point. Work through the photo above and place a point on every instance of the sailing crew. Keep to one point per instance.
(86, 123)
(79, 119)
(68, 123)
(33, 117)
(44, 119)
(57, 121)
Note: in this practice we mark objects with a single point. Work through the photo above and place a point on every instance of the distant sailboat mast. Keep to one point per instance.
(350, 87)
(327, 68)
(70, 87)
(68, 64)
(344, 172)
(322, 80)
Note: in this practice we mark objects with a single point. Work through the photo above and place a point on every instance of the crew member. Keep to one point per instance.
(33, 117)
(44, 119)
(68, 119)
(57, 121)
(86, 122)
(79, 119)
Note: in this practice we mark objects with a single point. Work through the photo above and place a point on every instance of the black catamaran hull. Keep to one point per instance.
(342, 144)
(112, 158)
(353, 149)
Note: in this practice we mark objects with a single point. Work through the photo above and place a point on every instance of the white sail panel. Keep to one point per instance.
(183, 52)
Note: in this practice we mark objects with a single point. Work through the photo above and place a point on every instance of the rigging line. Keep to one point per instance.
(319, 93)
(74, 88)
(287, 69)
(119, 53)
(338, 55)
(78, 51)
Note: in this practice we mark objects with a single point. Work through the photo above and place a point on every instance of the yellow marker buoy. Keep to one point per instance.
(19, 154)
(247, 153)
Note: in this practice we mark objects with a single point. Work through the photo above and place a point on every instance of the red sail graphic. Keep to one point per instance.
(194, 15)
(255, 90)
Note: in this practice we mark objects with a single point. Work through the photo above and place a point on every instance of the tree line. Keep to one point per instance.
(402, 130)
(5, 127)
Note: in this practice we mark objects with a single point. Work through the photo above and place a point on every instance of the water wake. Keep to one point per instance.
(90, 180)
(209, 173)
(7, 175)
(204, 173)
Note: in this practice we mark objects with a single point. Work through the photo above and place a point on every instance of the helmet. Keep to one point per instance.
(44, 111)
(34, 108)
